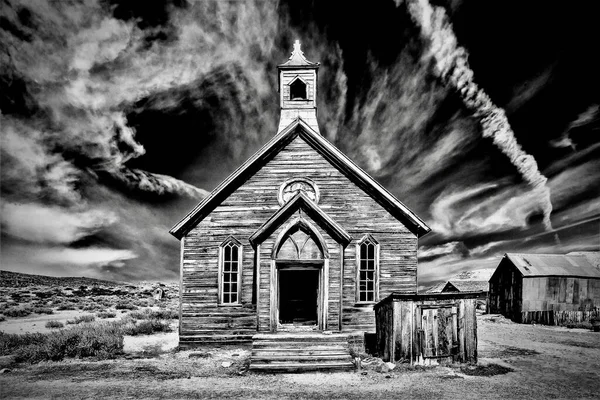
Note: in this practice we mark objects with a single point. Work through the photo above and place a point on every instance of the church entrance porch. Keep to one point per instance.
(298, 298)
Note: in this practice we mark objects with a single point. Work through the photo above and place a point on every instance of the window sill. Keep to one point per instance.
(365, 304)
(230, 305)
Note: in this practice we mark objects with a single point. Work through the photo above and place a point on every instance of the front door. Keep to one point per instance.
(298, 298)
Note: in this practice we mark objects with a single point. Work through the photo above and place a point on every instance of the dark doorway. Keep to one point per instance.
(298, 295)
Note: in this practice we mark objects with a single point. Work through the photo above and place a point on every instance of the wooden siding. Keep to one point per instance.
(248, 207)
(505, 295)
(427, 329)
(543, 299)
(308, 77)
(556, 300)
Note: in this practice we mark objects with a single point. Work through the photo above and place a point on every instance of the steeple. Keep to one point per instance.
(298, 89)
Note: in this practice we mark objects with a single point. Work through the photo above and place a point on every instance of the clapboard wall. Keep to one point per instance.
(249, 206)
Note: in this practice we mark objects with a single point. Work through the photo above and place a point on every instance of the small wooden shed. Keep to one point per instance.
(545, 288)
(427, 329)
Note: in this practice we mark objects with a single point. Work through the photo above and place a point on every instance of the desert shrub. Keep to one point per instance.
(98, 340)
(9, 342)
(142, 303)
(54, 324)
(154, 314)
(80, 319)
(2, 317)
(124, 305)
(145, 327)
(65, 307)
(106, 314)
(17, 312)
(43, 310)
(92, 307)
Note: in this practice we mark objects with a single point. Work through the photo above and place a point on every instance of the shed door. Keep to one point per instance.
(439, 332)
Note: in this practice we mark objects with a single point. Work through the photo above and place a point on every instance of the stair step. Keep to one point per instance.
(301, 358)
(301, 367)
(301, 338)
(283, 352)
(293, 345)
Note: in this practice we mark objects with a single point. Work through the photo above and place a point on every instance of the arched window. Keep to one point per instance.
(230, 271)
(367, 270)
(299, 245)
(298, 90)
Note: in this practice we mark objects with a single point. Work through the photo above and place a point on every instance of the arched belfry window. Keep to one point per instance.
(298, 90)
(230, 271)
(299, 245)
(367, 270)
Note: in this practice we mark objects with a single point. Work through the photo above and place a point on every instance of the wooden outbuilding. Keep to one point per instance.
(428, 329)
(298, 238)
(455, 286)
(549, 289)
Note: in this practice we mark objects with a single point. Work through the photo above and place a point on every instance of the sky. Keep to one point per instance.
(118, 117)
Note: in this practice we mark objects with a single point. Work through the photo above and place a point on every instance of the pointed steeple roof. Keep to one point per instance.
(297, 59)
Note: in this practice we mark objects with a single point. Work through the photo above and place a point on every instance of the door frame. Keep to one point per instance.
(301, 265)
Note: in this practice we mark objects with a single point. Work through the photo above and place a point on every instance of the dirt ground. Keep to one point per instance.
(546, 362)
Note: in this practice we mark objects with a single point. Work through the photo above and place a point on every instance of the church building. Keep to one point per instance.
(298, 238)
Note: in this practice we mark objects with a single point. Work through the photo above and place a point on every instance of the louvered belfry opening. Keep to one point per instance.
(299, 262)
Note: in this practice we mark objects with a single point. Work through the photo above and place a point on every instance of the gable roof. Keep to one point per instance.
(301, 201)
(460, 286)
(299, 128)
(553, 265)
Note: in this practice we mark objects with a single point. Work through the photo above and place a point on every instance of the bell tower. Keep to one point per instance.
(298, 90)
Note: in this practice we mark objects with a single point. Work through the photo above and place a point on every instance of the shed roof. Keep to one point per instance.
(553, 265)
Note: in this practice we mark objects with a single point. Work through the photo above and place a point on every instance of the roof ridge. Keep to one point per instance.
(328, 151)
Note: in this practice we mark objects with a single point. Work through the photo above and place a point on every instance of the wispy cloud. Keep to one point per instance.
(47, 224)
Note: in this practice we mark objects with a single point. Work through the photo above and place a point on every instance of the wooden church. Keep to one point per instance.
(298, 239)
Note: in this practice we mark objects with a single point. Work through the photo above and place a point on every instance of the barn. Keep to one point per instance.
(299, 239)
(455, 286)
(546, 288)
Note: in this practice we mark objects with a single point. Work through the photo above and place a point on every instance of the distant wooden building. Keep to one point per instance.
(428, 329)
(297, 238)
(545, 288)
(456, 286)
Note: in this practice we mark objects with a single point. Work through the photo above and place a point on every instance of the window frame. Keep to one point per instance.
(375, 243)
(293, 81)
(234, 242)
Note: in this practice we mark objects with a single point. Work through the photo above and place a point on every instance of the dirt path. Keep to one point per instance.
(546, 362)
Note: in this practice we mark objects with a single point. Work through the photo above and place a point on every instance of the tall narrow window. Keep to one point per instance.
(368, 260)
(230, 272)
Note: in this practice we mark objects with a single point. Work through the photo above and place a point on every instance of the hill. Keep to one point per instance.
(17, 279)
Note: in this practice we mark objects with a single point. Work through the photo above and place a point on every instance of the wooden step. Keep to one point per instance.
(299, 352)
(302, 367)
(299, 346)
(301, 360)
(283, 352)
